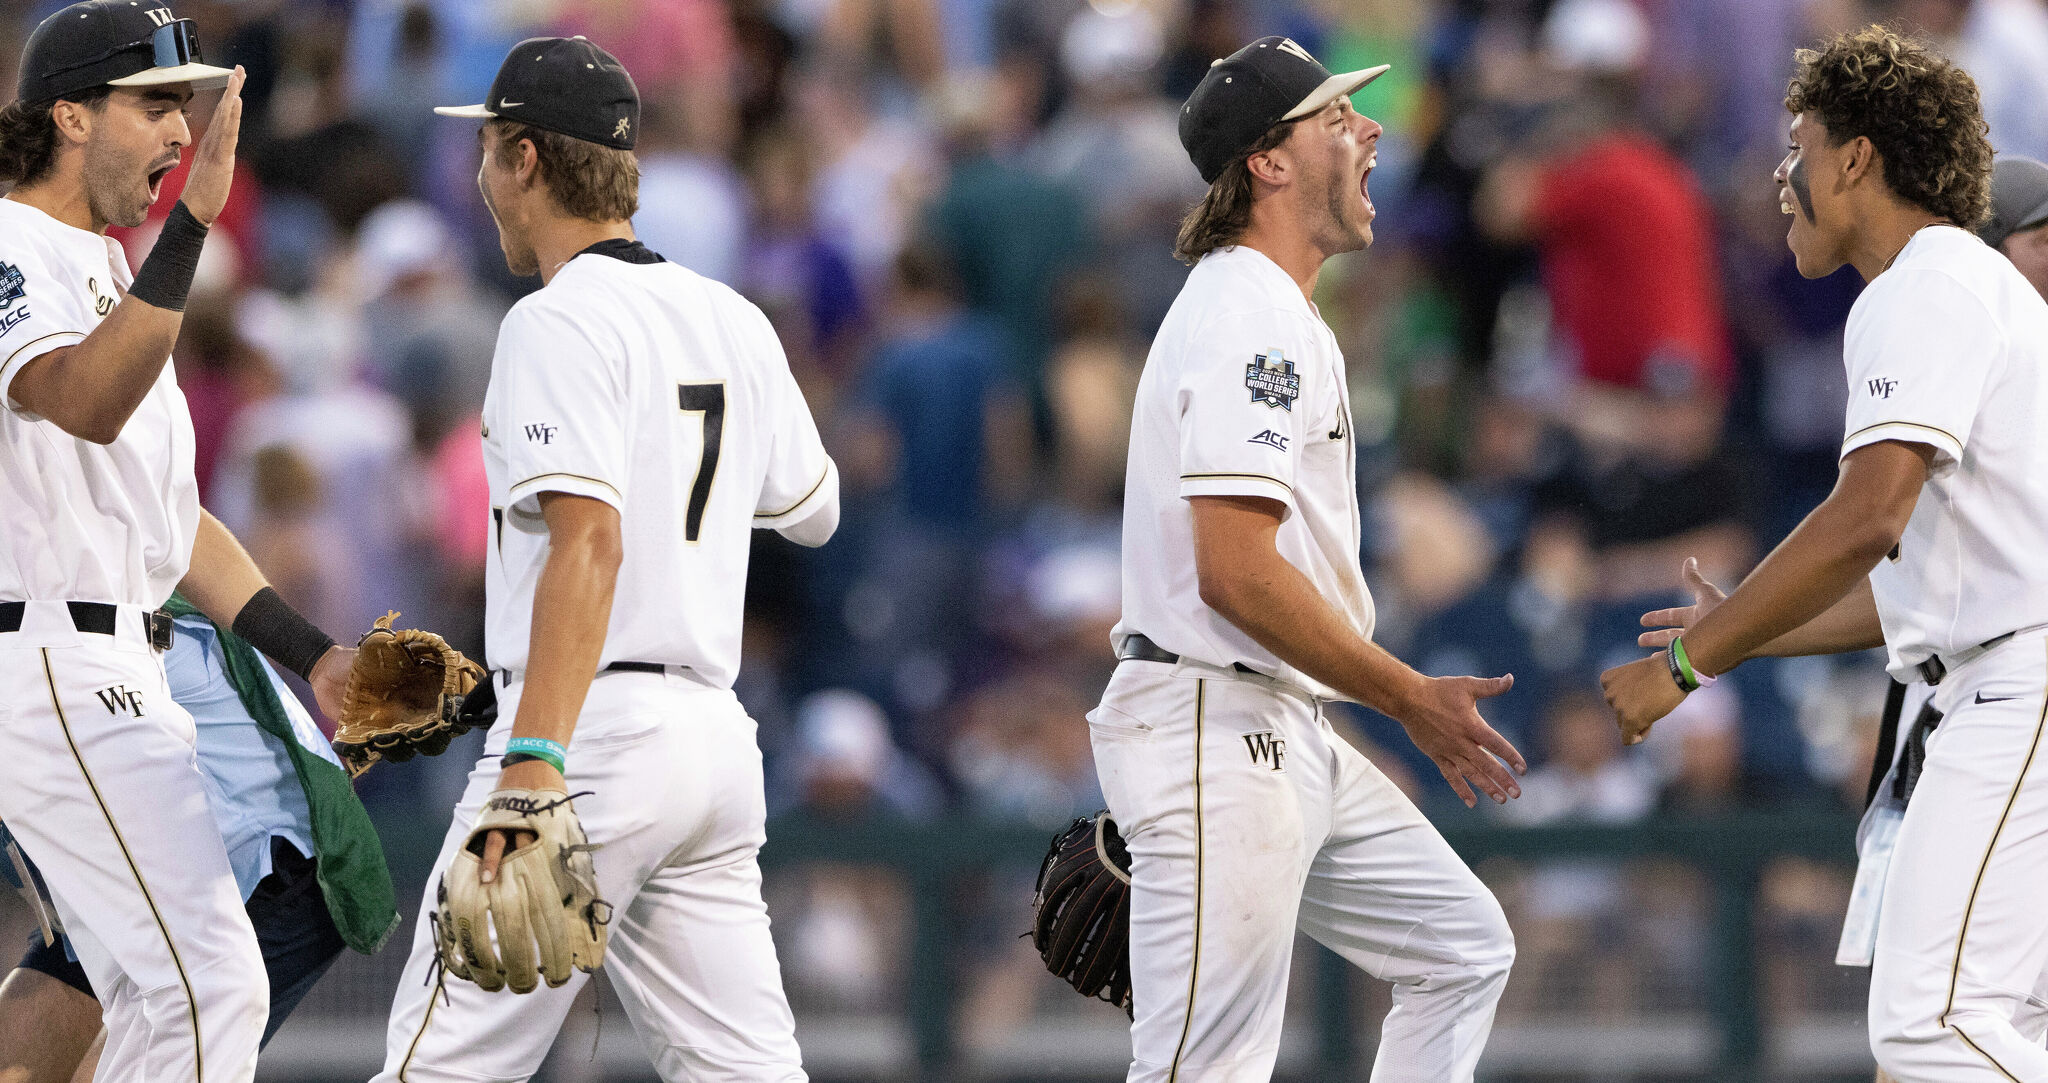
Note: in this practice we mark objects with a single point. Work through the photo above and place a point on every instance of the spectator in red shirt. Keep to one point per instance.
(1624, 237)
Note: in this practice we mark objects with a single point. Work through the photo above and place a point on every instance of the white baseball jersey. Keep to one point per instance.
(665, 394)
(84, 522)
(1949, 348)
(1244, 394)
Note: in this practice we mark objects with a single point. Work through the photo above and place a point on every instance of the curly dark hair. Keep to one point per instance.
(28, 137)
(1222, 215)
(1920, 112)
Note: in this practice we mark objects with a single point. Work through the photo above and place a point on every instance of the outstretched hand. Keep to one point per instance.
(1669, 624)
(213, 164)
(1444, 723)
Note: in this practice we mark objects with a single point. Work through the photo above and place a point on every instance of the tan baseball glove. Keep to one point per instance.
(541, 916)
(404, 697)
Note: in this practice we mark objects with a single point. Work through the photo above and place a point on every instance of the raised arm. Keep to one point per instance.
(91, 389)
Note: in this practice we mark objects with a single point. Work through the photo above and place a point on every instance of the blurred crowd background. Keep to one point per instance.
(1579, 353)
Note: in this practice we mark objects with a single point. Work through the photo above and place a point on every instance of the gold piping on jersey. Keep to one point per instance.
(191, 1002)
(564, 474)
(1237, 477)
(32, 344)
(805, 499)
(1195, 970)
(1905, 424)
(1955, 972)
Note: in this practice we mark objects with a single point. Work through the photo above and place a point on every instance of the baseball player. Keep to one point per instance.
(641, 421)
(97, 771)
(1246, 611)
(274, 806)
(1929, 546)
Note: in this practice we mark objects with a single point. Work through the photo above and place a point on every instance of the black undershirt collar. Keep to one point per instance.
(620, 248)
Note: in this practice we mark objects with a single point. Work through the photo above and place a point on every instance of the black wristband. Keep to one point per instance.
(275, 628)
(1678, 673)
(166, 276)
(510, 758)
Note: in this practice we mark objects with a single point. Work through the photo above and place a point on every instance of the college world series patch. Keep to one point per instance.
(1272, 380)
(13, 286)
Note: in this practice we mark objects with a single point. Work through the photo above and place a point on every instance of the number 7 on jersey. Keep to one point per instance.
(708, 400)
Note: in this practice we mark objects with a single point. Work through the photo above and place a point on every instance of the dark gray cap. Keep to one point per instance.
(2019, 198)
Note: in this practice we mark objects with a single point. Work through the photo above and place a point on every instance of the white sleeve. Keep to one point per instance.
(1918, 364)
(800, 489)
(1243, 400)
(37, 315)
(563, 402)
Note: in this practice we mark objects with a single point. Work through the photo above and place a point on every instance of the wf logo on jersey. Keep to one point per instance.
(1272, 380)
(1267, 749)
(543, 434)
(119, 698)
(1882, 387)
(1271, 439)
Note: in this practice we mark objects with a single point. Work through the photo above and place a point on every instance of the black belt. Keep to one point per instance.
(1934, 669)
(1138, 647)
(99, 618)
(504, 676)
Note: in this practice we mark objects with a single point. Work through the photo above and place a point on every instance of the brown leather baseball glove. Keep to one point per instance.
(1082, 912)
(404, 697)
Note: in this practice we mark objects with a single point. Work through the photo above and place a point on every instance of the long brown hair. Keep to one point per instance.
(1222, 215)
(589, 181)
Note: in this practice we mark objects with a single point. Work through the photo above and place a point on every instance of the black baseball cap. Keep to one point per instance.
(1243, 95)
(564, 85)
(127, 43)
(2019, 198)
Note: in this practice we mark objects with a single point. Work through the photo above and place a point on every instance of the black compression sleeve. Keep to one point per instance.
(272, 626)
(166, 276)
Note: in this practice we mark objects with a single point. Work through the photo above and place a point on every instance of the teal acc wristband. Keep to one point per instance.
(540, 748)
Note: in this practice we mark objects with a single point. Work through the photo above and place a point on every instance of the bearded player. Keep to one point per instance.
(1245, 613)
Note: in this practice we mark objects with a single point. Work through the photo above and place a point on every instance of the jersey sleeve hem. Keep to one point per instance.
(1237, 484)
(526, 494)
(29, 351)
(1949, 449)
(775, 518)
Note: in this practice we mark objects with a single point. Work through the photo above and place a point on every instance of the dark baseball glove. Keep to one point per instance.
(1082, 912)
(404, 697)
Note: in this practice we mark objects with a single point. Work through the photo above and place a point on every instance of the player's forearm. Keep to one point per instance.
(222, 577)
(1275, 604)
(1810, 571)
(1850, 624)
(572, 609)
(91, 390)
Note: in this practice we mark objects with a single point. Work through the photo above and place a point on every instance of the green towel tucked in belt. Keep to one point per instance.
(347, 856)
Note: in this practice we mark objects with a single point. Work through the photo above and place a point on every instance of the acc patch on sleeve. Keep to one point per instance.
(13, 287)
(1272, 380)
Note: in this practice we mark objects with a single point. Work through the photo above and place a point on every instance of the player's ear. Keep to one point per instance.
(1859, 159)
(526, 168)
(73, 121)
(1270, 167)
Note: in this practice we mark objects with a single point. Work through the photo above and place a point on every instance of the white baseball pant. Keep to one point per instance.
(1959, 978)
(99, 779)
(677, 809)
(1248, 817)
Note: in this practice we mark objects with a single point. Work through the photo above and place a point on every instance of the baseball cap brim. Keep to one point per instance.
(1336, 86)
(473, 112)
(201, 76)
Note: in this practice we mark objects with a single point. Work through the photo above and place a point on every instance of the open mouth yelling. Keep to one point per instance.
(1371, 162)
(157, 175)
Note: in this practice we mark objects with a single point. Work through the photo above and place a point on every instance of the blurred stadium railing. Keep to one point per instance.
(1716, 980)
